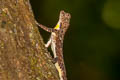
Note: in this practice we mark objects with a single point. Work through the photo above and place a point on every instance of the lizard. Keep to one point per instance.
(56, 41)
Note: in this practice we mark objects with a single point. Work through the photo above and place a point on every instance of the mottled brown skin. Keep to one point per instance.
(65, 19)
(56, 41)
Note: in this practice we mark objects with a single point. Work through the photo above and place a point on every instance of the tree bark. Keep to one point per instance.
(23, 55)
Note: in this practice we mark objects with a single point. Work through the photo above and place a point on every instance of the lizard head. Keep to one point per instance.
(63, 23)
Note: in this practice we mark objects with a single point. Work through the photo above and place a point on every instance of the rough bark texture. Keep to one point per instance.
(23, 55)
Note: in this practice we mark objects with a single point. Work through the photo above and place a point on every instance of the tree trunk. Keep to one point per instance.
(23, 55)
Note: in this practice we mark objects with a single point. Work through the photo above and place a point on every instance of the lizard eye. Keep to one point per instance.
(68, 15)
(62, 13)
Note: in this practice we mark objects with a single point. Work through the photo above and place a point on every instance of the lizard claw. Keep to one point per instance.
(55, 60)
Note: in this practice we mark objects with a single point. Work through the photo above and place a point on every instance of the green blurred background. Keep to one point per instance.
(92, 43)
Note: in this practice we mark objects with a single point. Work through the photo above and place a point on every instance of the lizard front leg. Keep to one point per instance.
(48, 43)
(45, 28)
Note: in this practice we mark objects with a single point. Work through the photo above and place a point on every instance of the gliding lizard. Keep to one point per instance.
(56, 41)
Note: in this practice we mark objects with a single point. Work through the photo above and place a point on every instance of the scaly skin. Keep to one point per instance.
(56, 41)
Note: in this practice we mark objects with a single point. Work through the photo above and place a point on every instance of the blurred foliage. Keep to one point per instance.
(92, 43)
(111, 13)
